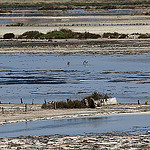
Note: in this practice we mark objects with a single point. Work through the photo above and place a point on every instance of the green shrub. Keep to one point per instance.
(30, 35)
(69, 33)
(61, 34)
(56, 35)
(46, 36)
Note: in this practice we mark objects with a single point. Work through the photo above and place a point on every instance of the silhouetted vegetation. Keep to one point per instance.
(114, 35)
(61, 104)
(79, 4)
(30, 35)
(109, 7)
(4, 11)
(123, 36)
(47, 106)
(61, 34)
(69, 34)
(96, 96)
(144, 36)
(71, 104)
(16, 24)
(8, 36)
(86, 102)
(111, 35)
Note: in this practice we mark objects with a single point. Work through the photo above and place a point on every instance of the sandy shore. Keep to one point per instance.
(73, 46)
(16, 112)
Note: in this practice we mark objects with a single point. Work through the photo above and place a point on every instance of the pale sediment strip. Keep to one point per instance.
(76, 51)
(35, 112)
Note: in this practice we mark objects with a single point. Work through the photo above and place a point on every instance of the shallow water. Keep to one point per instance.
(133, 124)
(126, 77)
(42, 13)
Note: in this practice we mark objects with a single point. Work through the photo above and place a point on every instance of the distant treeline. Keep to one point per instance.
(69, 34)
(71, 5)
(58, 34)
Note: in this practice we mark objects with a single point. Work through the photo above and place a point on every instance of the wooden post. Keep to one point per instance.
(32, 101)
(21, 100)
(146, 102)
(25, 107)
(55, 104)
(2, 110)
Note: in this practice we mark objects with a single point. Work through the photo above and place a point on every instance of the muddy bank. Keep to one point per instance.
(69, 47)
(111, 140)
(14, 113)
(116, 140)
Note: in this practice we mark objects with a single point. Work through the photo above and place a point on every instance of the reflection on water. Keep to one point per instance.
(135, 123)
(23, 16)
(40, 76)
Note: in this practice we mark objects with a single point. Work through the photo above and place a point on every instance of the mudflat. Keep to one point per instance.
(75, 46)
(101, 141)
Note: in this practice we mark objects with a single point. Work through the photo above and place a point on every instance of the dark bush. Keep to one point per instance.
(91, 103)
(30, 35)
(61, 104)
(88, 35)
(111, 35)
(16, 24)
(4, 11)
(109, 7)
(61, 34)
(86, 102)
(70, 104)
(123, 36)
(144, 36)
(96, 96)
(9, 36)
(47, 106)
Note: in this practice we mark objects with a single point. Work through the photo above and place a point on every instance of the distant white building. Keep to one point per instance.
(101, 102)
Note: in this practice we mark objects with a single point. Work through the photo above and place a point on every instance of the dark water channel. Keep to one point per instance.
(133, 124)
(48, 76)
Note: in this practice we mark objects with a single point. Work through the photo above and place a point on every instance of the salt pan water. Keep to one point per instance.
(126, 77)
